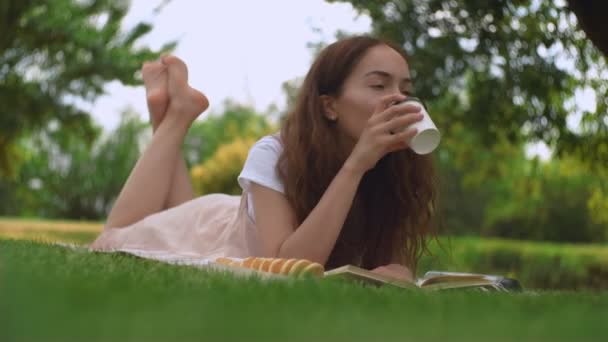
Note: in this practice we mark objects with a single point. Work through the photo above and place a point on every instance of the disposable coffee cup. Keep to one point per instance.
(428, 136)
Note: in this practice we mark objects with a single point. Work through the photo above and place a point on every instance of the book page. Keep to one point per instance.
(354, 273)
(456, 279)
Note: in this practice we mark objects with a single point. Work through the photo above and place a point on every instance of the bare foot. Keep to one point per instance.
(184, 100)
(157, 95)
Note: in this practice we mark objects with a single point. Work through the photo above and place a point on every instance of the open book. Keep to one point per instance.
(432, 280)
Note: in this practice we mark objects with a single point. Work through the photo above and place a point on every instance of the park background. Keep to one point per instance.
(517, 88)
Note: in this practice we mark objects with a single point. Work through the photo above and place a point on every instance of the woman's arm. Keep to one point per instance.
(315, 238)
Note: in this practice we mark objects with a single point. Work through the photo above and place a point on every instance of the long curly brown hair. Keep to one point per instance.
(391, 217)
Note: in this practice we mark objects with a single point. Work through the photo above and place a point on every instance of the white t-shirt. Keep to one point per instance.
(260, 168)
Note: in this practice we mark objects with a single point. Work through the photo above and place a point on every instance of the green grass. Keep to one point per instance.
(537, 265)
(54, 294)
(74, 237)
(78, 232)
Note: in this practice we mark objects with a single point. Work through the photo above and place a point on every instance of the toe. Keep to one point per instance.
(152, 72)
(178, 71)
(171, 60)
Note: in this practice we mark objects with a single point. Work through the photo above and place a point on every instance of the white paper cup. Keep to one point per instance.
(428, 137)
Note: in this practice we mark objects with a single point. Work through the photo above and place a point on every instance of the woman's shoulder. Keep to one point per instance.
(269, 142)
(260, 165)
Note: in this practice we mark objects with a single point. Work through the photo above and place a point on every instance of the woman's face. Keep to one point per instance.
(382, 71)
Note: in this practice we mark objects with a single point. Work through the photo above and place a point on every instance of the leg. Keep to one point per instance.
(155, 81)
(148, 185)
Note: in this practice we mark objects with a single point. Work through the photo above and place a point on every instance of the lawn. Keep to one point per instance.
(52, 293)
(49, 230)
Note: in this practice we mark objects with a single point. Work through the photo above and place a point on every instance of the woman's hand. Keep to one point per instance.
(378, 139)
(395, 271)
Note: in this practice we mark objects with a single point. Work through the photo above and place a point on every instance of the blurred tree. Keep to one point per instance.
(236, 121)
(218, 174)
(555, 201)
(515, 64)
(77, 178)
(290, 89)
(217, 147)
(66, 175)
(53, 53)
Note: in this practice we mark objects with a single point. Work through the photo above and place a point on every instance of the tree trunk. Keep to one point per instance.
(592, 18)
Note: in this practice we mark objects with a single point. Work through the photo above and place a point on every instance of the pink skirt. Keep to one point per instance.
(210, 226)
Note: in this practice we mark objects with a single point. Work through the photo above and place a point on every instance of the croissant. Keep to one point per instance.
(289, 267)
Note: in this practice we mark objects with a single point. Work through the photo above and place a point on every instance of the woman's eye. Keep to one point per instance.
(406, 92)
(378, 86)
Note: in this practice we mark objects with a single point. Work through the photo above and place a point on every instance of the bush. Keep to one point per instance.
(556, 201)
(537, 265)
(237, 121)
(219, 173)
(598, 208)
(218, 147)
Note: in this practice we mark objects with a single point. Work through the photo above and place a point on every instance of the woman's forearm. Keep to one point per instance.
(315, 238)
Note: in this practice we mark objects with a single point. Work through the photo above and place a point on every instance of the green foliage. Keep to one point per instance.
(236, 121)
(471, 173)
(219, 173)
(68, 176)
(598, 206)
(497, 191)
(537, 265)
(552, 202)
(53, 53)
(510, 61)
(218, 146)
(496, 76)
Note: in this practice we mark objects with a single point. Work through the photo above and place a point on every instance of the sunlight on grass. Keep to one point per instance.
(48, 225)
(77, 232)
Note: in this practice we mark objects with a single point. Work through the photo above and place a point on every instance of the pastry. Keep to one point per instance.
(288, 267)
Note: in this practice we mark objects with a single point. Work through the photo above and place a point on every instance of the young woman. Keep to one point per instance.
(336, 185)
